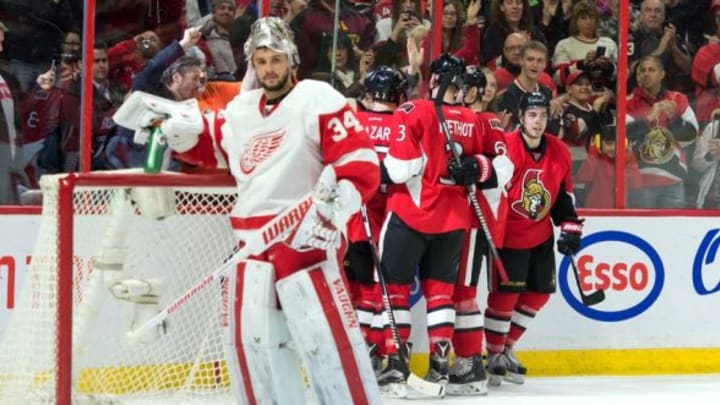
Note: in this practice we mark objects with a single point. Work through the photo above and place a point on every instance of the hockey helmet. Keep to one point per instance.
(449, 68)
(273, 33)
(386, 83)
(533, 99)
(474, 77)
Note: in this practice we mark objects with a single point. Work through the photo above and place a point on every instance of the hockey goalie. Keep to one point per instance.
(282, 141)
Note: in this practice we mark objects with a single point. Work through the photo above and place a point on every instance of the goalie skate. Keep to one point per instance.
(467, 376)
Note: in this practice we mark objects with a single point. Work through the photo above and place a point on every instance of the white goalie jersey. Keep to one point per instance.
(276, 164)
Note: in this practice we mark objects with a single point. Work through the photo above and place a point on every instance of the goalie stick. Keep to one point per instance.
(472, 197)
(420, 385)
(278, 229)
(588, 300)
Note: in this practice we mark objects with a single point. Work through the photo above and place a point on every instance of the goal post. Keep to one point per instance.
(114, 248)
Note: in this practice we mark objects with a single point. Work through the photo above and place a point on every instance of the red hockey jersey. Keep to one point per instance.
(381, 127)
(428, 200)
(534, 188)
(493, 202)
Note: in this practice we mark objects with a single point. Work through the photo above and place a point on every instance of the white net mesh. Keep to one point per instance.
(115, 241)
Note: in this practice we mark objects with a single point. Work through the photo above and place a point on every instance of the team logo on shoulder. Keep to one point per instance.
(534, 202)
(258, 149)
(406, 107)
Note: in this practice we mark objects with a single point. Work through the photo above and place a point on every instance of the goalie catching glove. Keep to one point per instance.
(570, 236)
(334, 202)
(470, 170)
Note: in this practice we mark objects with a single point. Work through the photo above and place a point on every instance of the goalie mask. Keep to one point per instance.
(272, 33)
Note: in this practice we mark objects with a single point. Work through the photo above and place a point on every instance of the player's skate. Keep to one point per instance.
(392, 379)
(467, 376)
(439, 364)
(496, 368)
(515, 370)
(375, 359)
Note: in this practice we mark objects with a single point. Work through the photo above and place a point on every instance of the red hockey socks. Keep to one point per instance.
(468, 337)
(369, 311)
(497, 319)
(399, 299)
(527, 307)
(440, 311)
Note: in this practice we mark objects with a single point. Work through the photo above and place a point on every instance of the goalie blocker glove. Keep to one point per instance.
(570, 236)
(471, 170)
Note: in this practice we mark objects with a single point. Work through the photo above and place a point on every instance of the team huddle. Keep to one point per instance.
(399, 187)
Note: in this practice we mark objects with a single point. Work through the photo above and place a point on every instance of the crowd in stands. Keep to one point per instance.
(566, 49)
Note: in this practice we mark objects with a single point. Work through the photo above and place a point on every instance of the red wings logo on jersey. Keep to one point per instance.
(258, 149)
(534, 202)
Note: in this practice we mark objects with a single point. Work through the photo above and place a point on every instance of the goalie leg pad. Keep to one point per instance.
(263, 368)
(327, 335)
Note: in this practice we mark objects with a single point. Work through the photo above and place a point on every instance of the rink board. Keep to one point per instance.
(661, 275)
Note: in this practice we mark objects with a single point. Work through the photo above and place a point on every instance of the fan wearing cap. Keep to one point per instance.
(597, 171)
(283, 142)
(583, 115)
(540, 194)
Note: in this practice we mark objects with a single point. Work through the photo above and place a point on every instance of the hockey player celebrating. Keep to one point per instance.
(467, 375)
(281, 142)
(428, 212)
(385, 89)
(540, 194)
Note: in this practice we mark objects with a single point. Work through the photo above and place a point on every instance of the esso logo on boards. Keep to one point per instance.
(624, 265)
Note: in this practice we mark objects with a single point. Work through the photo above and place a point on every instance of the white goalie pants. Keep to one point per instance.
(317, 323)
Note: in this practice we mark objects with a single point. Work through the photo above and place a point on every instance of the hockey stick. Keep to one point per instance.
(278, 229)
(588, 300)
(472, 197)
(413, 381)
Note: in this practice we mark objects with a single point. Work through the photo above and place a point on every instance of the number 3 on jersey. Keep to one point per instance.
(340, 127)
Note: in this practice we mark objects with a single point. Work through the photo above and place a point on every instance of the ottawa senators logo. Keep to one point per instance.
(658, 147)
(258, 149)
(534, 201)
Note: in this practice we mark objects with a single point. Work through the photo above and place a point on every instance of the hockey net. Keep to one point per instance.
(67, 339)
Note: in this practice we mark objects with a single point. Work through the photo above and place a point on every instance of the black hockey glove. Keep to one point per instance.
(570, 235)
(470, 170)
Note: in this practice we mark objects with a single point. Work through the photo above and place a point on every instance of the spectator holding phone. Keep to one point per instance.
(404, 16)
(585, 50)
(705, 161)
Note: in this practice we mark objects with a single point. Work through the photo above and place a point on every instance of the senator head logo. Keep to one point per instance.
(627, 267)
(534, 201)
